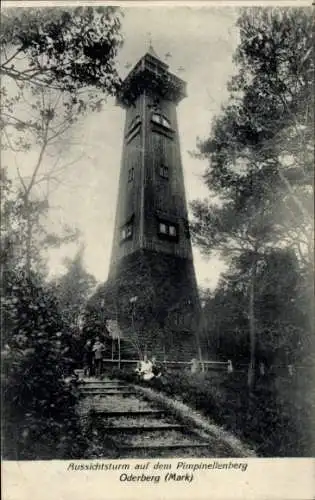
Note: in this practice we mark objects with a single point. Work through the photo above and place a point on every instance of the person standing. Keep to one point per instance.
(88, 358)
(194, 366)
(156, 368)
(98, 352)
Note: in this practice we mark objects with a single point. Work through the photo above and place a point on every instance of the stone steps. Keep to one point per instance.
(123, 424)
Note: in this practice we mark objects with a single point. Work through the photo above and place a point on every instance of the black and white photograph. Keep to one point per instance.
(157, 237)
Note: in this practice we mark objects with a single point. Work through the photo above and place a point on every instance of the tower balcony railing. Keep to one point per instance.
(146, 75)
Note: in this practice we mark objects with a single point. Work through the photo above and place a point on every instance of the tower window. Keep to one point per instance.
(172, 230)
(131, 174)
(161, 120)
(168, 230)
(126, 231)
(163, 228)
(164, 172)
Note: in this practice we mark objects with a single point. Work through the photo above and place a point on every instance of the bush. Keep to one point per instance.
(38, 406)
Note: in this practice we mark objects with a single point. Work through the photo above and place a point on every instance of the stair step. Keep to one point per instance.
(107, 388)
(131, 413)
(99, 381)
(88, 383)
(163, 437)
(163, 446)
(141, 428)
(102, 386)
(98, 387)
(108, 393)
(137, 421)
(107, 404)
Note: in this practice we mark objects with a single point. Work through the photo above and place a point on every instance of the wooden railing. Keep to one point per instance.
(206, 365)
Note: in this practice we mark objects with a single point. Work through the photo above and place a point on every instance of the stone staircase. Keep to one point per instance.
(121, 423)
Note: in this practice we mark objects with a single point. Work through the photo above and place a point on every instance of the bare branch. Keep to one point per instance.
(5, 63)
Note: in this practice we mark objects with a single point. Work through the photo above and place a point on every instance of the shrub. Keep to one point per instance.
(39, 407)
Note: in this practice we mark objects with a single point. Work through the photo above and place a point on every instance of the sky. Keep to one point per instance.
(200, 40)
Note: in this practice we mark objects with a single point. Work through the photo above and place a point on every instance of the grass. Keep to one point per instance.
(276, 421)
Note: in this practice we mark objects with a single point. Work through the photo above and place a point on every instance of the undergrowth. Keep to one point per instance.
(276, 420)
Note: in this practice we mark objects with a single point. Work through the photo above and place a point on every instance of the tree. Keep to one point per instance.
(281, 326)
(32, 330)
(226, 323)
(263, 202)
(73, 289)
(56, 64)
(238, 232)
(68, 49)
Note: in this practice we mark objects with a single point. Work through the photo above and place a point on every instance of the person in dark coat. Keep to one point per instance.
(98, 354)
(157, 368)
(88, 358)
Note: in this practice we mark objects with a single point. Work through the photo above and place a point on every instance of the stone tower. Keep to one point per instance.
(151, 270)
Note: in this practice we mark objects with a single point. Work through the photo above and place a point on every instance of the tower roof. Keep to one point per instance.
(152, 73)
(152, 52)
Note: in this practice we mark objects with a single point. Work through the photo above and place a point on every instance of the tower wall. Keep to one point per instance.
(164, 198)
(129, 192)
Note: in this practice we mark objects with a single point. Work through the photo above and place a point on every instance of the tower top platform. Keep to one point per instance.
(152, 75)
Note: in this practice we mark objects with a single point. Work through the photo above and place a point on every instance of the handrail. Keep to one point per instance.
(225, 363)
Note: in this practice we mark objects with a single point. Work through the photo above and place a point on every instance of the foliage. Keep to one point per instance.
(280, 312)
(56, 64)
(260, 153)
(20, 250)
(260, 149)
(73, 289)
(39, 415)
(63, 48)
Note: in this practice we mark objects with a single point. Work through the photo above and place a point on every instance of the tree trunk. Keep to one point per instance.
(252, 332)
(28, 252)
(197, 336)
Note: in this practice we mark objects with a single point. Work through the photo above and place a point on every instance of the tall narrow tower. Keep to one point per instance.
(151, 263)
